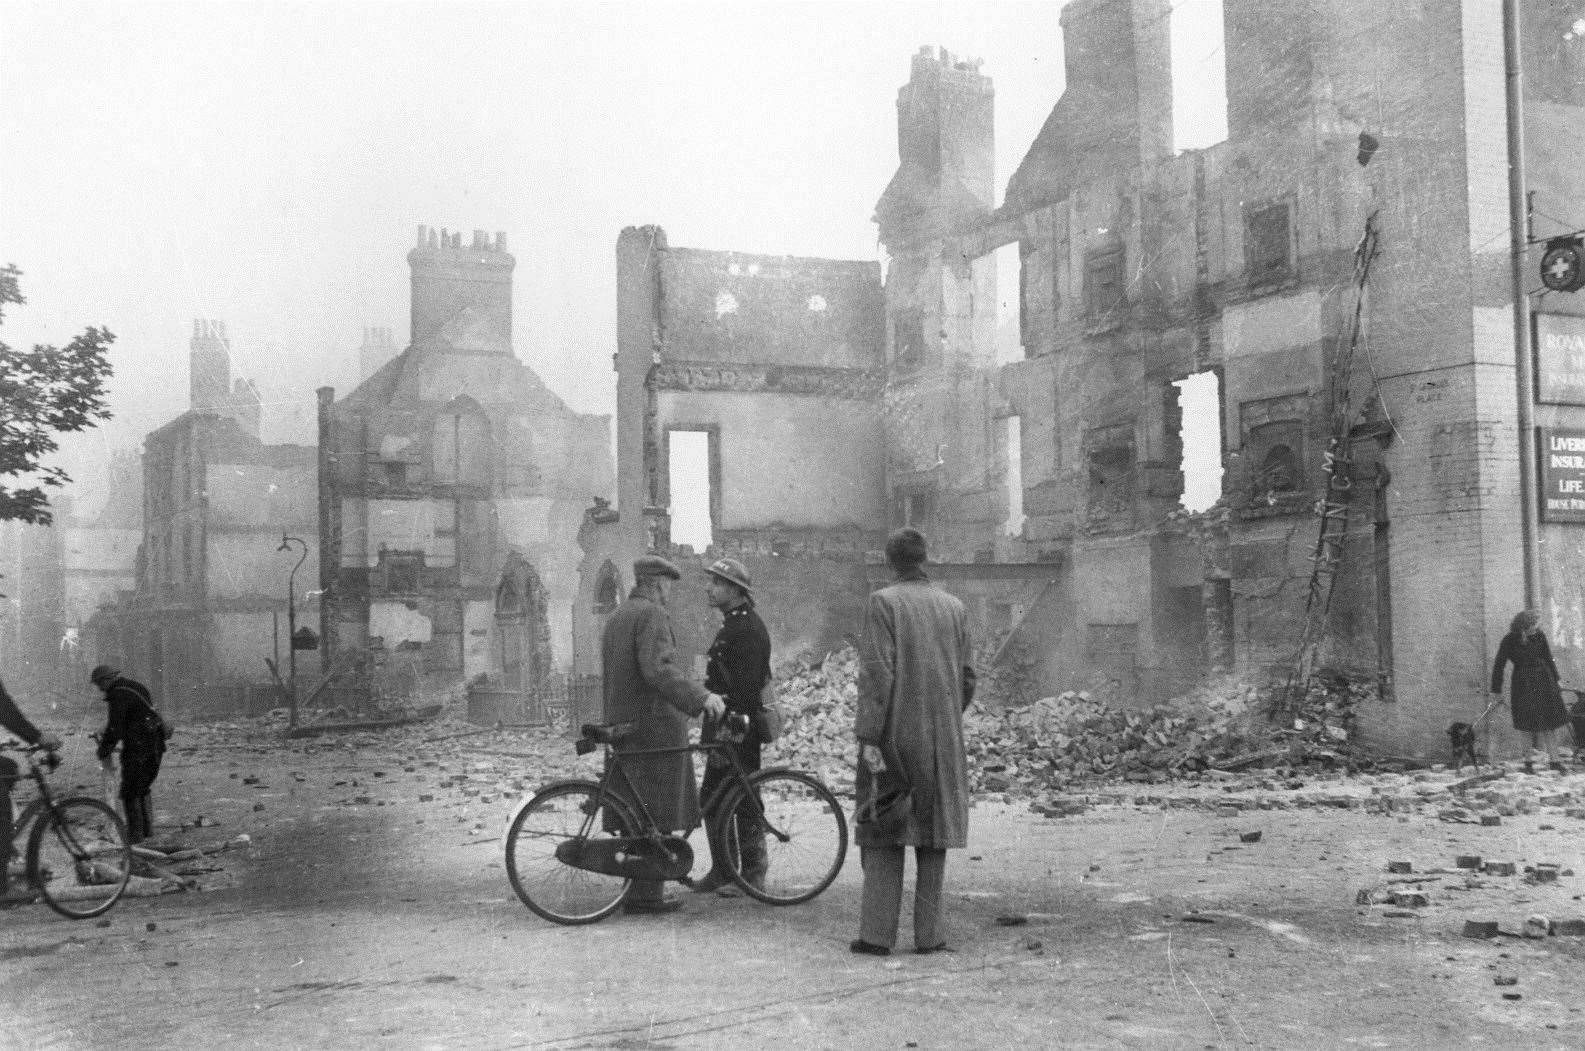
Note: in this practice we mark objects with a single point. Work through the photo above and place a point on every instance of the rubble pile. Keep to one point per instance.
(1071, 738)
(819, 701)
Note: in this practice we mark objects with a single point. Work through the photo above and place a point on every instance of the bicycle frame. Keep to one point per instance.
(42, 803)
(613, 767)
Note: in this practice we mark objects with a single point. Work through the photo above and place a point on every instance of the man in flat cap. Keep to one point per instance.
(737, 668)
(644, 683)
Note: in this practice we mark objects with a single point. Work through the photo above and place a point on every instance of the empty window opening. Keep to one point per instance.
(1199, 75)
(1009, 303)
(1103, 283)
(1200, 405)
(688, 471)
(916, 509)
(725, 303)
(607, 590)
(1014, 525)
(908, 339)
(1279, 470)
(1268, 243)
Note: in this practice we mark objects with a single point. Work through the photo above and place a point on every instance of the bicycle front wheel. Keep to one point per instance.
(79, 858)
(553, 889)
(790, 846)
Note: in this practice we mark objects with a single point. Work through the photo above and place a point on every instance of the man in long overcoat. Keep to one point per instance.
(916, 677)
(644, 683)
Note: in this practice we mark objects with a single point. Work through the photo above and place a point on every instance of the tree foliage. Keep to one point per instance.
(44, 393)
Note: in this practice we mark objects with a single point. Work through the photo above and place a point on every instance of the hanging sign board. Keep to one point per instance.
(1560, 359)
(1562, 462)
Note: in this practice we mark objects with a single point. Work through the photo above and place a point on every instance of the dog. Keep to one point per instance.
(1463, 737)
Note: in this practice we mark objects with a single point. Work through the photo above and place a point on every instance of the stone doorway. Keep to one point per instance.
(522, 634)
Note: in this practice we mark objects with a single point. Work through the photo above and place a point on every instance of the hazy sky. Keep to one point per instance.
(266, 164)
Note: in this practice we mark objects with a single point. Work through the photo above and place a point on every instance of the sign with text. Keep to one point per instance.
(1560, 359)
(1562, 472)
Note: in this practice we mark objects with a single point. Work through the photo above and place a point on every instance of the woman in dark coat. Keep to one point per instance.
(1533, 697)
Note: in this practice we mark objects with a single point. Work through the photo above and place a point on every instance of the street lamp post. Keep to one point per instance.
(291, 625)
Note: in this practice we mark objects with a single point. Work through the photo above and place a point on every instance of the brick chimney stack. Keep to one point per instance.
(462, 295)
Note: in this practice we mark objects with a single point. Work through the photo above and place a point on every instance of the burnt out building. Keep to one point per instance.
(1335, 273)
(208, 602)
(452, 484)
(1317, 311)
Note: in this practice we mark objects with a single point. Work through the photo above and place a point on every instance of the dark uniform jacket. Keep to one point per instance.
(644, 683)
(738, 664)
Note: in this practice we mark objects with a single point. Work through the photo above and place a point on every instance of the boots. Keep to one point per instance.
(756, 863)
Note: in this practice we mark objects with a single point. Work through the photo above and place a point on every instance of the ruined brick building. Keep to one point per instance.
(452, 484)
(208, 603)
(1052, 486)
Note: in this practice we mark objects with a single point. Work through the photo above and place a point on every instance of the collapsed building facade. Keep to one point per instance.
(1337, 271)
(452, 484)
(209, 602)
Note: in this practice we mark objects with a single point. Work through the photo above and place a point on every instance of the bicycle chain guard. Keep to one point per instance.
(629, 857)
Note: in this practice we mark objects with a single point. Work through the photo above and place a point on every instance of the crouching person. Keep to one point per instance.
(133, 724)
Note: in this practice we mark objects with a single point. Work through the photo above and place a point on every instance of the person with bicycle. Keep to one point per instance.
(135, 725)
(643, 684)
(13, 720)
(737, 668)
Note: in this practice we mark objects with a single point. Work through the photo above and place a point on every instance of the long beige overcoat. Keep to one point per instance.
(643, 682)
(916, 675)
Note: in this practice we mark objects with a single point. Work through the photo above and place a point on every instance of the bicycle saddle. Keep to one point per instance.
(607, 733)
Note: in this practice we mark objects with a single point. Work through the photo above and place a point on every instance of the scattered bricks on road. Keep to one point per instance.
(426, 799)
(1400, 867)
(1575, 812)
(1504, 979)
(1570, 928)
(1480, 928)
(1227, 811)
(1513, 996)
(1499, 868)
(1490, 820)
(257, 807)
(1249, 837)
(1195, 917)
(1410, 899)
(1016, 920)
(1467, 861)
(1537, 926)
(1400, 914)
(1557, 799)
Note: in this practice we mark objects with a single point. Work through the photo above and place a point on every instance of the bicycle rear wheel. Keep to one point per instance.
(554, 890)
(79, 857)
(804, 834)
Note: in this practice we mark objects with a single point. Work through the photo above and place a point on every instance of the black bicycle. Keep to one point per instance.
(78, 856)
(574, 847)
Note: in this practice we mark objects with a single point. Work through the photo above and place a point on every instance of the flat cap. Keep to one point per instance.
(655, 566)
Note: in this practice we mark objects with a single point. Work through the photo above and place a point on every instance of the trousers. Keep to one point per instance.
(137, 777)
(883, 894)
